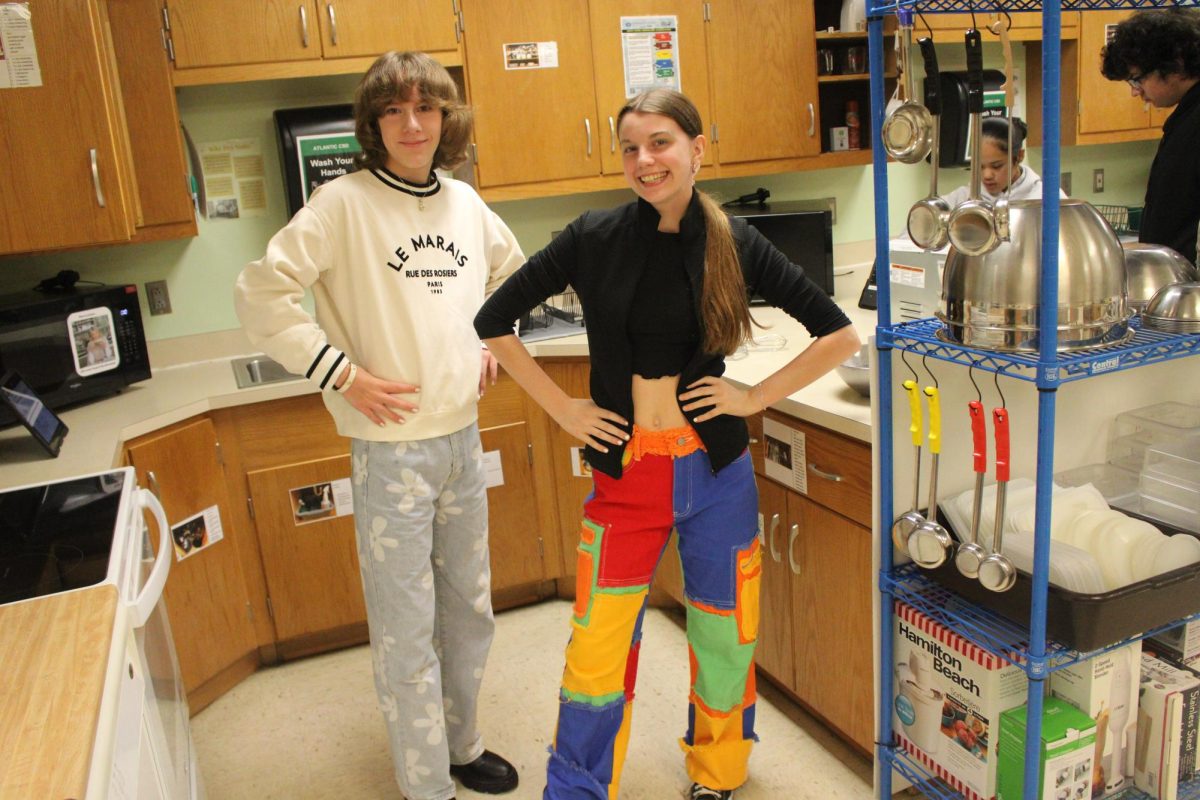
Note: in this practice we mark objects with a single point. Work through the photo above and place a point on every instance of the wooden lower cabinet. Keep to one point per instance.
(310, 564)
(206, 594)
(514, 536)
(831, 619)
(774, 653)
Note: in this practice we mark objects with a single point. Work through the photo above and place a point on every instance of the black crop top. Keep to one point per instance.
(663, 329)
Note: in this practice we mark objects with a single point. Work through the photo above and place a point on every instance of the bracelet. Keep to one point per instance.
(761, 401)
(346, 384)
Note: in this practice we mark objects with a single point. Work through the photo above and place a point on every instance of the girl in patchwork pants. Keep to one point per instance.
(663, 283)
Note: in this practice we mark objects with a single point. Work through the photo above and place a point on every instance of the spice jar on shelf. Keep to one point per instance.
(854, 124)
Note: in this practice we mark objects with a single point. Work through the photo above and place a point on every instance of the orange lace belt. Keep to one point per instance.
(674, 442)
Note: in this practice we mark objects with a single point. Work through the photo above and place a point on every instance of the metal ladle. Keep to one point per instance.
(971, 225)
(929, 542)
(904, 524)
(928, 217)
(1000, 210)
(997, 572)
(907, 131)
(970, 553)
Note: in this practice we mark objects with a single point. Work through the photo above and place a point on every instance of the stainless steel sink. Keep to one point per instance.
(260, 370)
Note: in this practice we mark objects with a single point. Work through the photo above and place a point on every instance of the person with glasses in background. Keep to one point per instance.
(1158, 54)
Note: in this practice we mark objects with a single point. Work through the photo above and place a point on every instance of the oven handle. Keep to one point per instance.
(157, 580)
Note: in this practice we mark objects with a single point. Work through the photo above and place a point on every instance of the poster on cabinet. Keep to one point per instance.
(197, 532)
(19, 66)
(650, 51)
(320, 501)
(786, 460)
(531, 55)
(234, 178)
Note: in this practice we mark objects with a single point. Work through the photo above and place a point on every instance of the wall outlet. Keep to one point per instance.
(157, 298)
(1064, 180)
(1098, 180)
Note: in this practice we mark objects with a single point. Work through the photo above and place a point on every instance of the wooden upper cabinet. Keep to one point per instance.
(764, 80)
(65, 182)
(533, 122)
(1104, 105)
(152, 117)
(209, 33)
(690, 53)
(370, 27)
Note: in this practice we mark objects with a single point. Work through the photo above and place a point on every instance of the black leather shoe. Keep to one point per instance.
(489, 774)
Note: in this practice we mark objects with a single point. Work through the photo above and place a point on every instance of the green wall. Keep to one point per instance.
(200, 272)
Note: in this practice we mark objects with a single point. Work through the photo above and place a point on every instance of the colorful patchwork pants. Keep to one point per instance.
(667, 483)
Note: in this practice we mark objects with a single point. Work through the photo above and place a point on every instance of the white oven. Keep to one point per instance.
(91, 530)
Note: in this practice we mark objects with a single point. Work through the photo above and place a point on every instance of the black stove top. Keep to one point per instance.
(58, 536)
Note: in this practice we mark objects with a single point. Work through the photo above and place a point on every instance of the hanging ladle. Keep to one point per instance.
(997, 572)
(906, 522)
(971, 226)
(929, 542)
(1000, 210)
(928, 217)
(908, 130)
(970, 553)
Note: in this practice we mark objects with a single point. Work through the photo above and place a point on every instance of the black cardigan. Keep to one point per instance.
(602, 255)
(1173, 190)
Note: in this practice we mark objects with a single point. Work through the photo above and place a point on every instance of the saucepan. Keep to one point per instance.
(908, 130)
(991, 301)
(927, 218)
(971, 225)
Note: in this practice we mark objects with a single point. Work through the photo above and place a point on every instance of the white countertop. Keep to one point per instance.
(175, 393)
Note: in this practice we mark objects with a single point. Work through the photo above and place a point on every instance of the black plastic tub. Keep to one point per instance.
(1086, 622)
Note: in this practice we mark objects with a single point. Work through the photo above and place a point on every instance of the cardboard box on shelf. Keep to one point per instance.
(1105, 687)
(1161, 758)
(1181, 643)
(1066, 756)
(949, 694)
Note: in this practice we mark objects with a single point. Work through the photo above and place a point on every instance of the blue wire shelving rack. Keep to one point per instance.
(1026, 646)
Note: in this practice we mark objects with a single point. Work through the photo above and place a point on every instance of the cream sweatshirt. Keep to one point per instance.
(396, 281)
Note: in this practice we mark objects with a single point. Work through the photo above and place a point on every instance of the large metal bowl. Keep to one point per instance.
(856, 371)
(1150, 267)
(991, 301)
(1175, 309)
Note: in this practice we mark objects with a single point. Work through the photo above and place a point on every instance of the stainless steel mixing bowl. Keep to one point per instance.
(1150, 267)
(1174, 309)
(991, 301)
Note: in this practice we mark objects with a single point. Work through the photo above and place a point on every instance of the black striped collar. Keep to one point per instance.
(417, 190)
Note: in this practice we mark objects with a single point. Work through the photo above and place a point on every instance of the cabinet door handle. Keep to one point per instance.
(332, 23)
(587, 128)
(612, 134)
(820, 473)
(96, 177)
(812, 120)
(792, 536)
(775, 555)
(303, 26)
(153, 481)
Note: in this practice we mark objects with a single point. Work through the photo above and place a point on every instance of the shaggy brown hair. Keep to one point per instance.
(391, 78)
(724, 307)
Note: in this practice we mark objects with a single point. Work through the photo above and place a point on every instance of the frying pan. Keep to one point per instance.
(927, 218)
(908, 130)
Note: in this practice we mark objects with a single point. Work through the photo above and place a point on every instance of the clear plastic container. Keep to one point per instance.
(1186, 519)
(1118, 486)
(1133, 432)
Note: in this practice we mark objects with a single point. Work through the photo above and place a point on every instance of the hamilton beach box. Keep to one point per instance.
(949, 697)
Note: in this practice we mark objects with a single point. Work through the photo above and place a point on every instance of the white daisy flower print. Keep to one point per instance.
(434, 722)
(411, 486)
(446, 507)
(427, 580)
(358, 468)
(423, 680)
(483, 600)
(450, 718)
(479, 548)
(403, 447)
(387, 704)
(414, 770)
(378, 541)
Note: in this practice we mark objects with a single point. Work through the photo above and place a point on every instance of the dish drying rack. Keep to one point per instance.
(557, 316)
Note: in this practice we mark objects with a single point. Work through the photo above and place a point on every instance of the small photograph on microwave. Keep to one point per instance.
(93, 341)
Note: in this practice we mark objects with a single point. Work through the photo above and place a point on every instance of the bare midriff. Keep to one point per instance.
(656, 403)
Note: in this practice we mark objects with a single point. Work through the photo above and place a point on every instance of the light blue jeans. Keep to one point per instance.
(420, 513)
